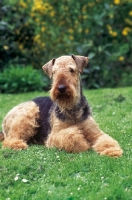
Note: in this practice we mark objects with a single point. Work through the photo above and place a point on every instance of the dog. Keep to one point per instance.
(63, 120)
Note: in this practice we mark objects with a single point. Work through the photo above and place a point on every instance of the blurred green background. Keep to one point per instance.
(32, 32)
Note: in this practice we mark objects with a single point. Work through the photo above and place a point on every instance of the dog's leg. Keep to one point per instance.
(100, 142)
(19, 125)
(69, 139)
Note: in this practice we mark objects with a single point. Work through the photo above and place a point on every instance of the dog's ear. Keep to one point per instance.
(81, 62)
(48, 67)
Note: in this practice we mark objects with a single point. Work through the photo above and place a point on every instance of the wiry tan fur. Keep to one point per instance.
(66, 136)
(61, 75)
(21, 122)
(20, 125)
(82, 136)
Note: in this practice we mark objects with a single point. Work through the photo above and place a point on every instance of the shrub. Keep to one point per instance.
(21, 79)
(16, 33)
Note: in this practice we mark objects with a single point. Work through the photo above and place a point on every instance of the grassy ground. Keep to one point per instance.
(40, 173)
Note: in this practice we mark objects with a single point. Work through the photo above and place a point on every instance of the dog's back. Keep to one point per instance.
(35, 120)
(44, 104)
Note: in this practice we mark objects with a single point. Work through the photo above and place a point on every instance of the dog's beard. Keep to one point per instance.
(65, 100)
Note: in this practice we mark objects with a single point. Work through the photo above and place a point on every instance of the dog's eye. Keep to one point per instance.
(71, 70)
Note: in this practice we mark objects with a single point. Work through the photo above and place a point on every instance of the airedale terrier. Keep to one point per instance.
(63, 121)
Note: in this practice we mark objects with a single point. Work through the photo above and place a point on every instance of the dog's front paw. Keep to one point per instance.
(113, 152)
(70, 142)
(105, 145)
(75, 143)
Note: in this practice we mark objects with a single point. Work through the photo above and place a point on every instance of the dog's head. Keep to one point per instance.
(65, 72)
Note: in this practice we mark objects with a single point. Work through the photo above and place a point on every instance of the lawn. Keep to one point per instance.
(49, 174)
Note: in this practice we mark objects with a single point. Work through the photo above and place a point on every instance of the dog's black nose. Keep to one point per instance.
(62, 88)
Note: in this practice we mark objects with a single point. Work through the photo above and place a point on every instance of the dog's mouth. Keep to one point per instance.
(64, 97)
(61, 92)
(64, 101)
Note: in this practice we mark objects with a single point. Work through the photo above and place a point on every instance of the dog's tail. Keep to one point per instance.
(1, 136)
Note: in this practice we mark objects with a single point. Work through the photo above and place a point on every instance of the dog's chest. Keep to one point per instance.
(73, 116)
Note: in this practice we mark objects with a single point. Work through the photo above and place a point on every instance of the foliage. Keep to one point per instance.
(41, 173)
(21, 79)
(16, 33)
(34, 31)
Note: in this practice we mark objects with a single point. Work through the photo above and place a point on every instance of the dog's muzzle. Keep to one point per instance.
(61, 89)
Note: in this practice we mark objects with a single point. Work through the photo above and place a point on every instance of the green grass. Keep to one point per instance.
(55, 175)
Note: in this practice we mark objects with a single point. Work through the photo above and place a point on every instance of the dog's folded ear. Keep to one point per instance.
(81, 62)
(48, 67)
